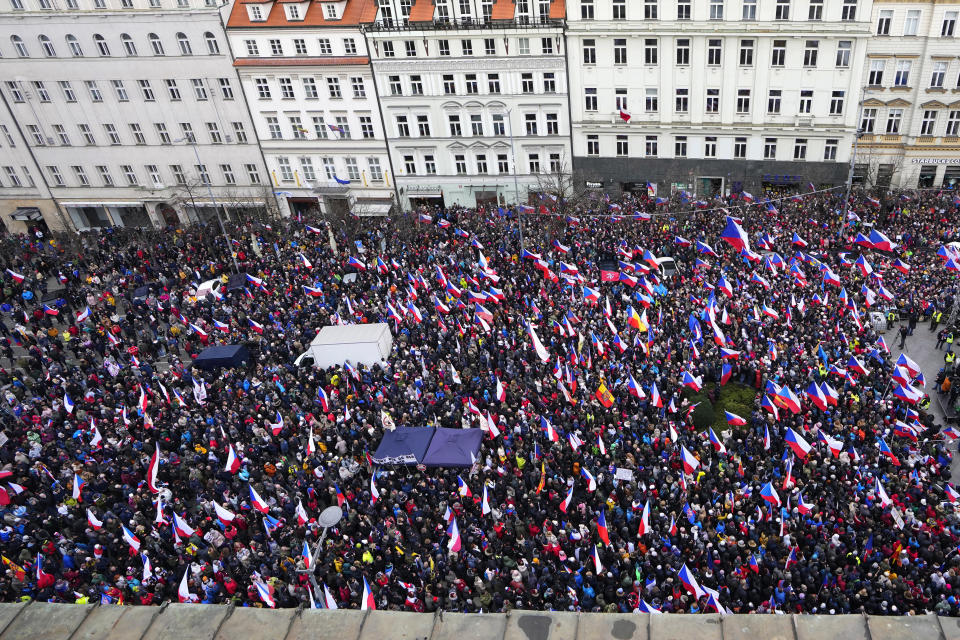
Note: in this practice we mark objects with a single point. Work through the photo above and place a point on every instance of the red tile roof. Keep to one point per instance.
(301, 62)
(422, 11)
(503, 10)
(355, 13)
(558, 10)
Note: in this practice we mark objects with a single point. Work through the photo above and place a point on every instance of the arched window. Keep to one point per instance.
(19, 46)
(101, 43)
(47, 47)
(213, 47)
(185, 48)
(155, 44)
(128, 45)
(74, 45)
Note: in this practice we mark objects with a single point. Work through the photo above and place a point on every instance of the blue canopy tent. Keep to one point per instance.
(225, 355)
(403, 445)
(454, 447)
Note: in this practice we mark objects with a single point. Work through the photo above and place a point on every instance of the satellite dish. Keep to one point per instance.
(330, 516)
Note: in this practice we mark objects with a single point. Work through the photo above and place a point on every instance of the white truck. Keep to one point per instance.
(366, 344)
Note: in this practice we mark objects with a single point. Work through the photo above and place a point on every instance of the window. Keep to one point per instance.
(800, 149)
(710, 147)
(770, 148)
(79, 172)
(619, 51)
(273, 126)
(376, 171)
(276, 47)
(333, 88)
(55, 176)
(939, 74)
(782, 10)
(883, 22)
(868, 120)
(902, 76)
(184, 44)
(749, 9)
(530, 123)
(929, 122)
(349, 46)
(894, 118)
(621, 100)
(410, 164)
(466, 46)
(213, 129)
(875, 78)
(62, 136)
(470, 81)
(162, 132)
(403, 127)
(740, 148)
(112, 134)
(15, 91)
(714, 52)
(101, 43)
(623, 146)
(680, 146)
(589, 51)
(200, 89)
(590, 102)
(359, 89)
(773, 101)
(912, 22)
(481, 163)
(44, 95)
(682, 100)
(586, 9)
(503, 165)
(499, 128)
(213, 47)
(20, 47)
(460, 163)
(830, 149)
(651, 101)
(849, 12)
(716, 9)
(949, 24)
(6, 134)
(283, 164)
(263, 88)
(252, 49)
(74, 45)
(423, 126)
(815, 12)
(94, 91)
(443, 47)
(806, 101)
(593, 145)
(172, 90)
(388, 49)
(810, 51)
(843, 53)
(87, 133)
(309, 89)
(37, 135)
(490, 46)
(526, 83)
(619, 9)
(683, 51)
(253, 174)
(137, 133)
(549, 82)
(240, 132)
(836, 102)
(651, 147)
(256, 14)
(534, 162)
(231, 179)
(713, 101)
(683, 9)
(366, 127)
(155, 44)
(306, 165)
(130, 175)
(650, 48)
(17, 5)
(779, 56)
(226, 89)
(476, 124)
(319, 127)
(553, 124)
(449, 84)
(743, 101)
(47, 47)
(953, 124)
(746, 53)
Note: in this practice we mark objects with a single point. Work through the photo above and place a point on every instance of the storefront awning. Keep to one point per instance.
(27, 213)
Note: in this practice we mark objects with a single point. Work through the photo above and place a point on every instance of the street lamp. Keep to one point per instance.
(327, 518)
(216, 207)
(858, 133)
(516, 186)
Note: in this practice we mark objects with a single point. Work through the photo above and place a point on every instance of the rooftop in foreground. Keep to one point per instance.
(42, 621)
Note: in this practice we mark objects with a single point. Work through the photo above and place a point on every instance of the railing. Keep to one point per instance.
(465, 23)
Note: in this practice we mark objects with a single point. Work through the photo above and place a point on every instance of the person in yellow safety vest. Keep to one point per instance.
(891, 318)
(935, 319)
(949, 341)
(949, 357)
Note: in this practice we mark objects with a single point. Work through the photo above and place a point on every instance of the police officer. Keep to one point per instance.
(935, 319)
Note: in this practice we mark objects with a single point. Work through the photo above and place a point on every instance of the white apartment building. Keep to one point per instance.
(121, 113)
(721, 94)
(911, 101)
(471, 92)
(306, 74)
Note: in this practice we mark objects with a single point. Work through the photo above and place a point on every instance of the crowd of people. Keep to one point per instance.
(603, 482)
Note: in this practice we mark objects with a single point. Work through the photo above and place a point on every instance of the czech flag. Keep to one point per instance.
(880, 241)
(734, 420)
(257, 502)
(453, 544)
(832, 443)
(725, 374)
(353, 262)
(690, 462)
(717, 445)
(233, 462)
(690, 583)
(131, 539)
(264, 592)
(18, 277)
(224, 515)
(734, 234)
(769, 494)
(597, 565)
(78, 484)
(256, 326)
(566, 502)
(93, 521)
(602, 529)
(152, 470)
(183, 591)
(83, 315)
(591, 481)
(690, 381)
(797, 443)
(885, 450)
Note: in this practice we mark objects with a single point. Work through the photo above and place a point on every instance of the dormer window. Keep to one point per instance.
(293, 12)
(255, 12)
(332, 10)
